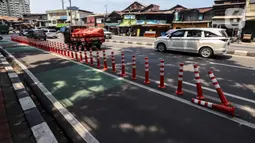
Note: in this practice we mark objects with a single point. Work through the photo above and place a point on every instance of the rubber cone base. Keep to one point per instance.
(179, 92)
(147, 82)
(159, 86)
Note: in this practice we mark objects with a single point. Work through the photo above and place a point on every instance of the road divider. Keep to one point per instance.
(225, 107)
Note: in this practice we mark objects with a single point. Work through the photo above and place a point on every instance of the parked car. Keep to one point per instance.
(205, 41)
(36, 34)
(51, 33)
(23, 32)
(107, 34)
(247, 36)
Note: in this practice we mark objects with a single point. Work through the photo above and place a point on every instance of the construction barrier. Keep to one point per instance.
(180, 78)
(147, 80)
(198, 83)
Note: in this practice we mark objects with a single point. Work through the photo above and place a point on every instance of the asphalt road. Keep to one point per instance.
(123, 111)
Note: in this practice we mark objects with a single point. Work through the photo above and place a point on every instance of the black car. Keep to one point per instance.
(36, 34)
(23, 32)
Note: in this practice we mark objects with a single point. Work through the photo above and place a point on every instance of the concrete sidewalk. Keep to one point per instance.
(102, 107)
(20, 119)
(234, 49)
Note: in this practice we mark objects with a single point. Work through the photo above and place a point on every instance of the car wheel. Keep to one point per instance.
(206, 52)
(161, 47)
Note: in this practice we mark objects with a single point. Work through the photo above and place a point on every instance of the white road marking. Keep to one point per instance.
(227, 94)
(227, 65)
(234, 119)
(81, 130)
(26, 103)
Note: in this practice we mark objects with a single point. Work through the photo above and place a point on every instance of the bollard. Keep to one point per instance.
(223, 98)
(72, 55)
(147, 81)
(105, 61)
(113, 63)
(86, 57)
(76, 54)
(180, 79)
(198, 84)
(68, 53)
(162, 74)
(134, 68)
(91, 58)
(123, 71)
(98, 60)
(81, 57)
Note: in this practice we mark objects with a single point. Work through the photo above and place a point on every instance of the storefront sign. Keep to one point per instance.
(61, 24)
(63, 17)
(129, 16)
(138, 22)
(150, 22)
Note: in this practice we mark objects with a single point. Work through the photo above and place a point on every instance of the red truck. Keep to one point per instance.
(85, 37)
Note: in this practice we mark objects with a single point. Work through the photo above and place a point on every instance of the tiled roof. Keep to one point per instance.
(8, 18)
(201, 10)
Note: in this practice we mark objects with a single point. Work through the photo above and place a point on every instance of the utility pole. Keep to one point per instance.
(63, 4)
(70, 10)
(105, 17)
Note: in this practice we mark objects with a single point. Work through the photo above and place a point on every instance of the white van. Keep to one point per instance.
(205, 41)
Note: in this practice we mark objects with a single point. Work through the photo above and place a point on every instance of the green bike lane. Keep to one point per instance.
(116, 111)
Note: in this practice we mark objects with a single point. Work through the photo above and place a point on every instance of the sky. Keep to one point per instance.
(98, 6)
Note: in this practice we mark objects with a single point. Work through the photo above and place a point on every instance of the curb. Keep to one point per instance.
(40, 129)
(72, 127)
(231, 52)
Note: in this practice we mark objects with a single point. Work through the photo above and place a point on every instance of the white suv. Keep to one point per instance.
(51, 33)
(205, 41)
